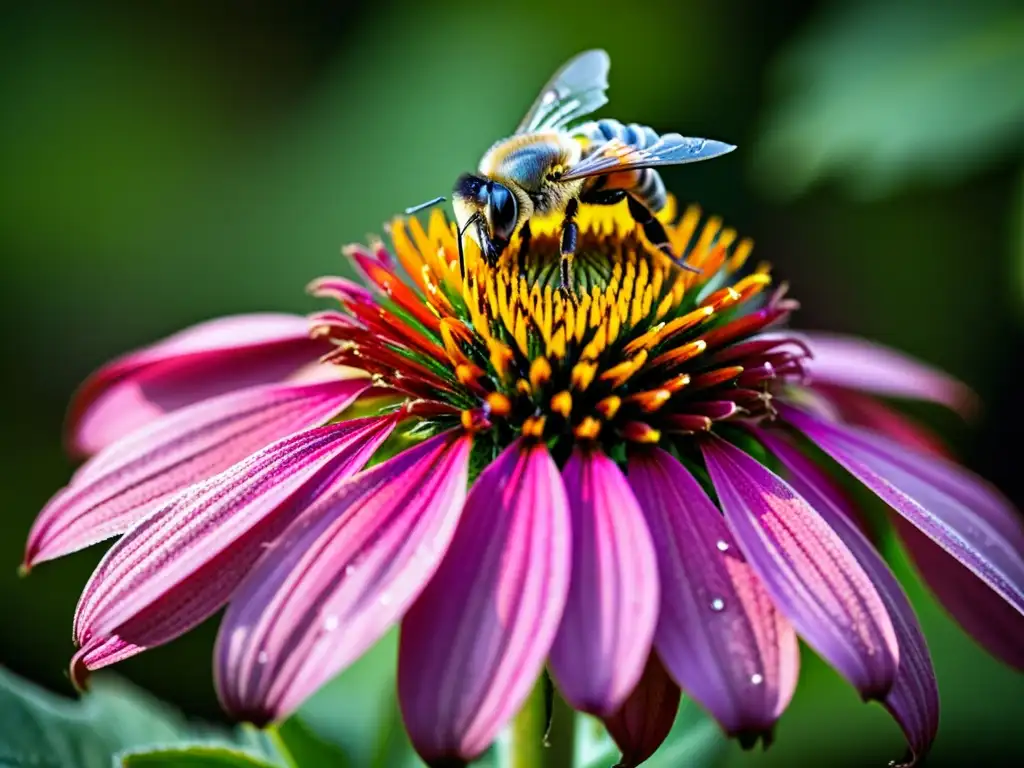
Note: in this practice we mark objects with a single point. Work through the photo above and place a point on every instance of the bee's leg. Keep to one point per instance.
(603, 196)
(654, 230)
(570, 230)
(524, 246)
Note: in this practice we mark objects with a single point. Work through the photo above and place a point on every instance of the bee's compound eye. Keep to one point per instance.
(471, 187)
(502, 212)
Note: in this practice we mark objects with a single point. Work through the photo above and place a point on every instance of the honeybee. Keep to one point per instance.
(549, 165)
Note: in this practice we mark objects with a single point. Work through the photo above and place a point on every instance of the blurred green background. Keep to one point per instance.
(167, 162)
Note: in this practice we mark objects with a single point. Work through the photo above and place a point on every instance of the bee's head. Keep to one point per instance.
(490, 209)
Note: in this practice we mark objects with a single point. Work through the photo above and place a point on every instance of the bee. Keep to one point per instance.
(553, 164)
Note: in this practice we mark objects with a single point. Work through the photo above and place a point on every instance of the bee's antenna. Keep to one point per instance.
(424, 206)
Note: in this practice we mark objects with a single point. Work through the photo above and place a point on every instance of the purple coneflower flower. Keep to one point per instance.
(619, 488)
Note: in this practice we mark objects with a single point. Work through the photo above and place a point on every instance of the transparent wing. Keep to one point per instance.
(670, 149)
(577, 89)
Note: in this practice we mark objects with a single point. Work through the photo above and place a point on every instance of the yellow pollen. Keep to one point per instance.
(588, 429)
(500, 404)
(534, 427)
(681, 354)
(582, 375)
(523, 388)
(619, 374)
(650, 401)
(640, 432)
(468, 374)
(562, 404)
(540, 372)
(609, 406)
(676, 382)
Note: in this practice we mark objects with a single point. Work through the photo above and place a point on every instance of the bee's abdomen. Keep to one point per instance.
(645, 184)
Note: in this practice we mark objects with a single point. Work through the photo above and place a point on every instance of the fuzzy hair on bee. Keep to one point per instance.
(554, 163)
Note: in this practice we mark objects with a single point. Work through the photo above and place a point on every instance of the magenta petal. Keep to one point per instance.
(719, 634)
(203, 361)
(121, 484)
(811, 575)
(847, 361)
(474, 644)
(995, 624)
(640, 726)
(343, 573)
(605, 636)
(181, 563)
(959, 512)
(914, 698)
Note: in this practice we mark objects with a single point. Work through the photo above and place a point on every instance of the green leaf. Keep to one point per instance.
(695, 740)
(40, 729)
(304, 748)
(193, 757)
(881, 93)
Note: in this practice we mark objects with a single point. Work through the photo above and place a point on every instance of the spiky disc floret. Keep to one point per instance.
(644, 350)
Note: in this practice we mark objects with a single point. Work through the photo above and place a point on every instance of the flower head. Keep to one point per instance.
(616, 484)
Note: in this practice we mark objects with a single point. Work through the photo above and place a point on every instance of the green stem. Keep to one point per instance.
(540, 742)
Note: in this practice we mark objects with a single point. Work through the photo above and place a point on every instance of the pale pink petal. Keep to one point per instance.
(959, 512)
(914, 698)
(605, 636)
(180, 564)
(644, 720)
(203, 361)
(854, 363)
(995, 624)
(121, 484)
(811, 575)
(343, 573)
(474, 644)
(719, 633)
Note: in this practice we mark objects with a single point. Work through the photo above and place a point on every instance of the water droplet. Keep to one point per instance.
(331, 622)
(262, 657)
(756, 679)
(718, 604)
(349, 570)
(722, 546)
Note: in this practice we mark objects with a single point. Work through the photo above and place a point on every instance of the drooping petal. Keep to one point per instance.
(203, 361)
(343, 573)
(605, 636)
(866, 411)
(958, 511)
(473, 645)
(811, 575)
(121, 484)
(914, 698)
(181, 563)
(995, 624)
(644, 720)
(854, 363)
(719, 634)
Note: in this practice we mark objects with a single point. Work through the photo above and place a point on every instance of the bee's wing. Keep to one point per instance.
(670, 149)
(575, 90)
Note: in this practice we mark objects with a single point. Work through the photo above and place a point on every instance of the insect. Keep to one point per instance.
(553, 164)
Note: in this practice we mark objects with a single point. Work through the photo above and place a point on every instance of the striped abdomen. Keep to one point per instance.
(644, 184)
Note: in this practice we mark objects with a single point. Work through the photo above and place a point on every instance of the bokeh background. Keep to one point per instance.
(166, 162)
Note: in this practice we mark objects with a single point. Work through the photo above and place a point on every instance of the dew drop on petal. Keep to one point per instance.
(756, 679)
(722, 546)
(262, 657)
(331, 622)
(718, 604)
(349, 570)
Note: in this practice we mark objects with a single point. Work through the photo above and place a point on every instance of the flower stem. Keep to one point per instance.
(540, 740)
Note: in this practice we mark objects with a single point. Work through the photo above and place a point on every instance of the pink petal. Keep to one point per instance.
(203, 361)
(180, 564)
(719, 634)
(122, 483)
(847, 361)
(914, 698)
(644, 720)
(605, 636)
(995, 624)
(473, 645)
(811, 575)
(958, 511)
(866, 411)
(342, 574)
